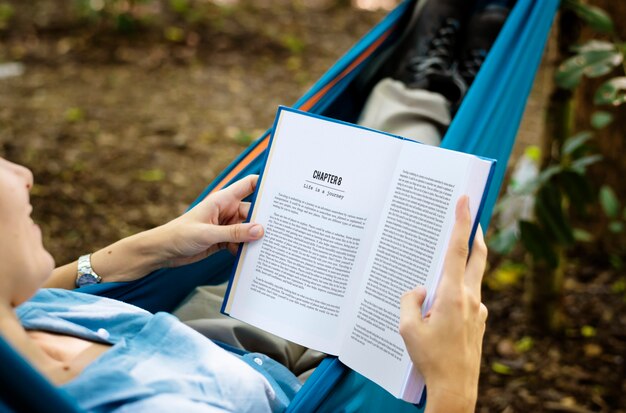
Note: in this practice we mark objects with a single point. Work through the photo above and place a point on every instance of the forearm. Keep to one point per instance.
(214, 223)
(128, 259)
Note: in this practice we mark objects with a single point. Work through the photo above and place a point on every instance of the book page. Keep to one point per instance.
(410, 246)
(319, 201)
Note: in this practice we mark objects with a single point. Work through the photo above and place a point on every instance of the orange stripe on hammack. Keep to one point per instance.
(316, 97)
(306, 106)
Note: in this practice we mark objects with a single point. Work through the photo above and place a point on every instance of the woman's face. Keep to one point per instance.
(24, 262)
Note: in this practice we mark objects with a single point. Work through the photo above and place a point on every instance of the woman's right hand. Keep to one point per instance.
(446, 344)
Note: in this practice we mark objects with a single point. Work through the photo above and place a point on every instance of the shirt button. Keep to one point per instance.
(258, 361)
(103, 334)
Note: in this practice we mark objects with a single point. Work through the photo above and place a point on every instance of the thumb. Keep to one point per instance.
(237, 233)
(411, 310)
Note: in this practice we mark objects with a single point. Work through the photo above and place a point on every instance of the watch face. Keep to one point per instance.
(86, 279)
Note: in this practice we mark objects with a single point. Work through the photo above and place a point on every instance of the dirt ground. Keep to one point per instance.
(122, 132)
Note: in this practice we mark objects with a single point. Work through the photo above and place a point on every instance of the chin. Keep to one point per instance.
(48, 265)
(37, 272)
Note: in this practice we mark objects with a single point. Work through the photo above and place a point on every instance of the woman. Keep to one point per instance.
(114, 356)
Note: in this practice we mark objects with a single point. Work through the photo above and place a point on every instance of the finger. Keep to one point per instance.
(458, 249)
(243, 187)
(244, 210)
(236, 233)
(476, 264)
(411, 310)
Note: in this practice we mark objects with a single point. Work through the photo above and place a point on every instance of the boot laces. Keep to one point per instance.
(469, 67)
(441, 48)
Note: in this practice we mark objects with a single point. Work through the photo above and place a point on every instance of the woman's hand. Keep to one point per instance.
(446, 345)
(213, 224)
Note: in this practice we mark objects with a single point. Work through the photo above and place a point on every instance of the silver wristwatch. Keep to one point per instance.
(86, 275)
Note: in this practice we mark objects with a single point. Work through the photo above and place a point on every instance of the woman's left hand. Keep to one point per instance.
(213, 224)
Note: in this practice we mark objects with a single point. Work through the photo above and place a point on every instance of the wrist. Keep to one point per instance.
(441, 399)
(128, 259)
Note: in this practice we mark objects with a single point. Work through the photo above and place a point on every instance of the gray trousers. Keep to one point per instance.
(412, 113)
(416, 114)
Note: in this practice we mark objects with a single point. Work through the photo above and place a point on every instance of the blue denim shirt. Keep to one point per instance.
(156, 363)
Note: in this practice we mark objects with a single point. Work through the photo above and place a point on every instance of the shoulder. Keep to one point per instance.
(71, 312)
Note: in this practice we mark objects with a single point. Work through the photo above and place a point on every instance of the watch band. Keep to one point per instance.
(85, 274)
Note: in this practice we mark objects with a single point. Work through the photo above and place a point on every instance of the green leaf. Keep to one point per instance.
(619, 286)
(595, 17)
(611, 92)
(524, 344)
(616, 227)
(151, 175)
(596, 46)
(180, 6)
(574, 142)
(581, 235)
(6, 14)
(600, 119)
(549, 211)
(74, 114)
(125, 23)
(506, 276)
(588, 331)
(536, 244)
(577, 188)
(503, 241)
(547, 174)
(580, 165)
(609, 201)
(244, 138)
(174, 34)
(293, 43)
(501, 368)
(616, 261)
(533, 152)
(595, 58)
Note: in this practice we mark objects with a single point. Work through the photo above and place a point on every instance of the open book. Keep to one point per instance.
(353, 218)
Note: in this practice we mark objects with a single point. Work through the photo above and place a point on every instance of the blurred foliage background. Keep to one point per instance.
(126, 109)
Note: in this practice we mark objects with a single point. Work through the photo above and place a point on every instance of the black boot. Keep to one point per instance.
(429, 49)
(482, 31)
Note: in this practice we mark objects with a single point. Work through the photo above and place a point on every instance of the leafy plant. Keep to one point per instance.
(593, 59)
(555, 193)
(559, 189)
(595, 17)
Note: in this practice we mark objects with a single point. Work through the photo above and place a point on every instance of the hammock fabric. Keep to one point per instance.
(485, 125)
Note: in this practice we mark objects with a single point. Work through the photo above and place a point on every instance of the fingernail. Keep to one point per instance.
(256, 231)
(462, 206)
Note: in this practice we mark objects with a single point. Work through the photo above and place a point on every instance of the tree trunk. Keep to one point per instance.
(559, 113)
(545, 285)
(544, 296)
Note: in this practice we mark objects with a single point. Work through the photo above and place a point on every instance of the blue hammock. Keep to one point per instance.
(486, 124)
